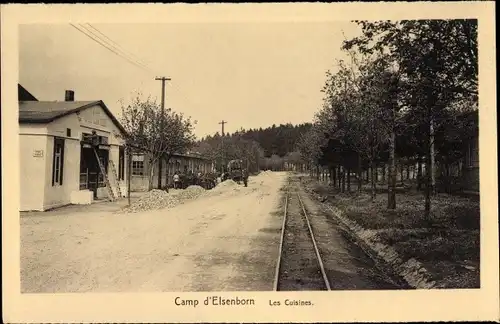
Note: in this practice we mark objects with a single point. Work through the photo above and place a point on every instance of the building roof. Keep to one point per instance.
(24, 95)
(47, 111)
(189, 156)
(193, 156)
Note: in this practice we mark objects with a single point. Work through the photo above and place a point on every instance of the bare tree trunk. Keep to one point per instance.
(432, 157)
(401, 171)
(151, 174)
(334, 175)
(408, 172)
(428, 168)
(419, 173)
(160, 160)
(383, 172)
(391, 183)
(317, 172)
(447, 177)
(343, 179)
(348, 180)
(372, 178)
(360, 172)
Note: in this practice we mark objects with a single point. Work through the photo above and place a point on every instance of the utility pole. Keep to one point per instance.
(162, 79)
(223, 123)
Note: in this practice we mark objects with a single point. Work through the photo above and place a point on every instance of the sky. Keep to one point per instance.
(248, 74)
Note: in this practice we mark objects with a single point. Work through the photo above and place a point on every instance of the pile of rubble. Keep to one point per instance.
(159, 199)
(226, 185)
(191, 192)
(154, 199)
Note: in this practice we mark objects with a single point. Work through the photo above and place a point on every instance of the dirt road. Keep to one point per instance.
(227, 240)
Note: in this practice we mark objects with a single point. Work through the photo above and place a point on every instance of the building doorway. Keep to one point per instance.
(91, 177)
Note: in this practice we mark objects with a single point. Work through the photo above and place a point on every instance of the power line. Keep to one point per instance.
(110, 49)
(123, 53)
(138, 60)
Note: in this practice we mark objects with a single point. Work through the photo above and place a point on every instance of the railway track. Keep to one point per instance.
(299, 265)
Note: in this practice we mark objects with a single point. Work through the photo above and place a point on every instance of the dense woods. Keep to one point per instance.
(263, 148)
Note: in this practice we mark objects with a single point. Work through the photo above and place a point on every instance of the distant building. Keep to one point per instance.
(181, 163)
(57, 167)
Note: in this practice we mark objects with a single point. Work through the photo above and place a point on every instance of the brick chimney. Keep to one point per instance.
(69, 95)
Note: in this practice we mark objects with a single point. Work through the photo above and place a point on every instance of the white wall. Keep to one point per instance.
(58, 195)
(33, 174)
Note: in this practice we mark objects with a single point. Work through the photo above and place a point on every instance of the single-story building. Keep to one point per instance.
(58, 167)
(180, 163)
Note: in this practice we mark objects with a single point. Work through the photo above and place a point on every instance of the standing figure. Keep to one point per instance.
(199, 176)
(176, 180)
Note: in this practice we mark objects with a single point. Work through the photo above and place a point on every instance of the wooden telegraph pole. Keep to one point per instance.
(162, 79)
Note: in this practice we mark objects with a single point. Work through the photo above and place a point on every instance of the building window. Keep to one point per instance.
(58, 162)
(137, 167)
(137, 164)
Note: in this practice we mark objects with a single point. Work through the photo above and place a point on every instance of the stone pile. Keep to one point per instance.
(191, 192)
(226, 185)
(159, 199)
(154, 199)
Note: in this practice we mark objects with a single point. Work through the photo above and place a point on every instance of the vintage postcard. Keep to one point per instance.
(280, 162)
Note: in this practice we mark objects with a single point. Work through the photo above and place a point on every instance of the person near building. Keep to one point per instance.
(199, 176)
(176, 180)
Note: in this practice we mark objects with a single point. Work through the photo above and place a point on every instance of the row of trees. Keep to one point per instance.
(401, 96)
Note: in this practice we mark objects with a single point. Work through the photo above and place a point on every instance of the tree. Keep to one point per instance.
(235, 147)
(437, 58)
(154, 133)
(309, 146)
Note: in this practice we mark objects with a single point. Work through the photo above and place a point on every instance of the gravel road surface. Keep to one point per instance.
(225, 240)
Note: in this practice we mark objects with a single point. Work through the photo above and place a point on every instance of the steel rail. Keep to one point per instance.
(280, 251)
(320, 261)
(282, 239)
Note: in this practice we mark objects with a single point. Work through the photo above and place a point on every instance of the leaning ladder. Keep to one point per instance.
(103, 171)
(113, 169)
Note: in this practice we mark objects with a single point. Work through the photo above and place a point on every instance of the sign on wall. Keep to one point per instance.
(38, 153)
